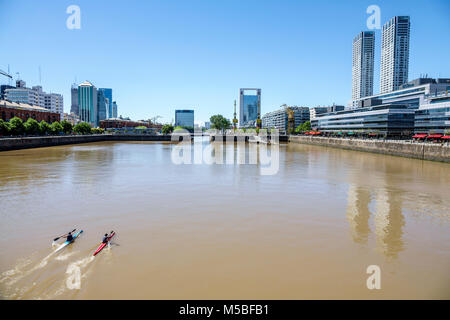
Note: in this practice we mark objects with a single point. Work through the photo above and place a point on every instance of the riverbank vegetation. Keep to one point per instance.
(16, 127)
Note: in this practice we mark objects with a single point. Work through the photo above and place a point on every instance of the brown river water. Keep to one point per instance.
(222, 231)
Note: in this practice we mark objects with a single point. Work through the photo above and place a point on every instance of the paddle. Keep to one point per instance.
(56, 239)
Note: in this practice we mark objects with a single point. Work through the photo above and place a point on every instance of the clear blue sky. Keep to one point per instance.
(162, 55)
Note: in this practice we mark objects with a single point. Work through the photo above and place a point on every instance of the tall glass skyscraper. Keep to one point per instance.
(362, 64)
(394, 54)
(107, 93)
(88, 103)
(248, 111)
(103, 105)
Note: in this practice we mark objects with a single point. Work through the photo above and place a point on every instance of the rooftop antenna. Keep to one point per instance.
(40, 82)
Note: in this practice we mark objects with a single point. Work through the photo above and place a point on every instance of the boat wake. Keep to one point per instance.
(30, 280)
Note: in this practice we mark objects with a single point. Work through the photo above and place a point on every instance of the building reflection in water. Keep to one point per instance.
(358, 213)
(389, 222)
(388, 219)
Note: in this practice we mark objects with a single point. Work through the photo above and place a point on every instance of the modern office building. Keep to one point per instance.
(207, 125)
(362, 64)
(278, 119)
(394, 54)
(3, 88)
(386, 120)
(35, 96)
(313, 112)
(248, 106)
(411, 93)
(184, 118)
(88, 103)
(102, 105)
(107, 93)
(433, 116)
(114, 110)
(74, 108)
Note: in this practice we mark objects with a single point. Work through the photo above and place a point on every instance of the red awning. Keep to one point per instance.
(445, 137)
(434, 136)
(420, 136)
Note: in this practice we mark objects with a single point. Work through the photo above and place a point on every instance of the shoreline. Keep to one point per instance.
(408, 149)
(400, 148)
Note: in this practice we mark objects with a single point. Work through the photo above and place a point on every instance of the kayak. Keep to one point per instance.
(112, 234)
(66, 243)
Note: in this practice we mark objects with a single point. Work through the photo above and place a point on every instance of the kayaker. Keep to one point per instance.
(105, 238)
(69, 236)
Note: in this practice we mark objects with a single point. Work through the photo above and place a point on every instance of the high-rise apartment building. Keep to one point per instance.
(362, 64)
(394, 53)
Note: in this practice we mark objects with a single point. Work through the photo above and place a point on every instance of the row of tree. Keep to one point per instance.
(16, 127)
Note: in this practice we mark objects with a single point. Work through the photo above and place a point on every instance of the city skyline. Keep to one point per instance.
(208, 67)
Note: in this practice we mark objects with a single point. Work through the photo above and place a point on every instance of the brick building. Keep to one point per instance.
(9, 110)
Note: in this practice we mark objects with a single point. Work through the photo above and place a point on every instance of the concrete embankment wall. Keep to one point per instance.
(410, 149)
(37, 142)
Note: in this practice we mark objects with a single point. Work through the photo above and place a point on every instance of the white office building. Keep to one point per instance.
(362, 64)
(394, 54)
(35, 96)
(278, 119)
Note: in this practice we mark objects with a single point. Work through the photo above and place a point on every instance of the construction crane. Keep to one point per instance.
(6, 74)
(291, 119)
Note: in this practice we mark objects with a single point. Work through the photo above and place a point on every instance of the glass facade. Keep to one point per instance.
(248, 107)
(103, 105)
(433, 118)
(386, 119)
(184, 118)
(87, 100)
(250, 111)
(108, 94)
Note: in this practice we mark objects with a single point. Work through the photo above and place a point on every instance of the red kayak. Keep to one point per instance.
(104, 244)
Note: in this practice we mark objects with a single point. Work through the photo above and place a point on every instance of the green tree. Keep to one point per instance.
(4, 128)
(67, 127)
(44, 128)
(16, 126)
(167, 129)
(97, 130)
(32, 126)
(219, 122)
(56, 128)
(304, 127)
(82, 128)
